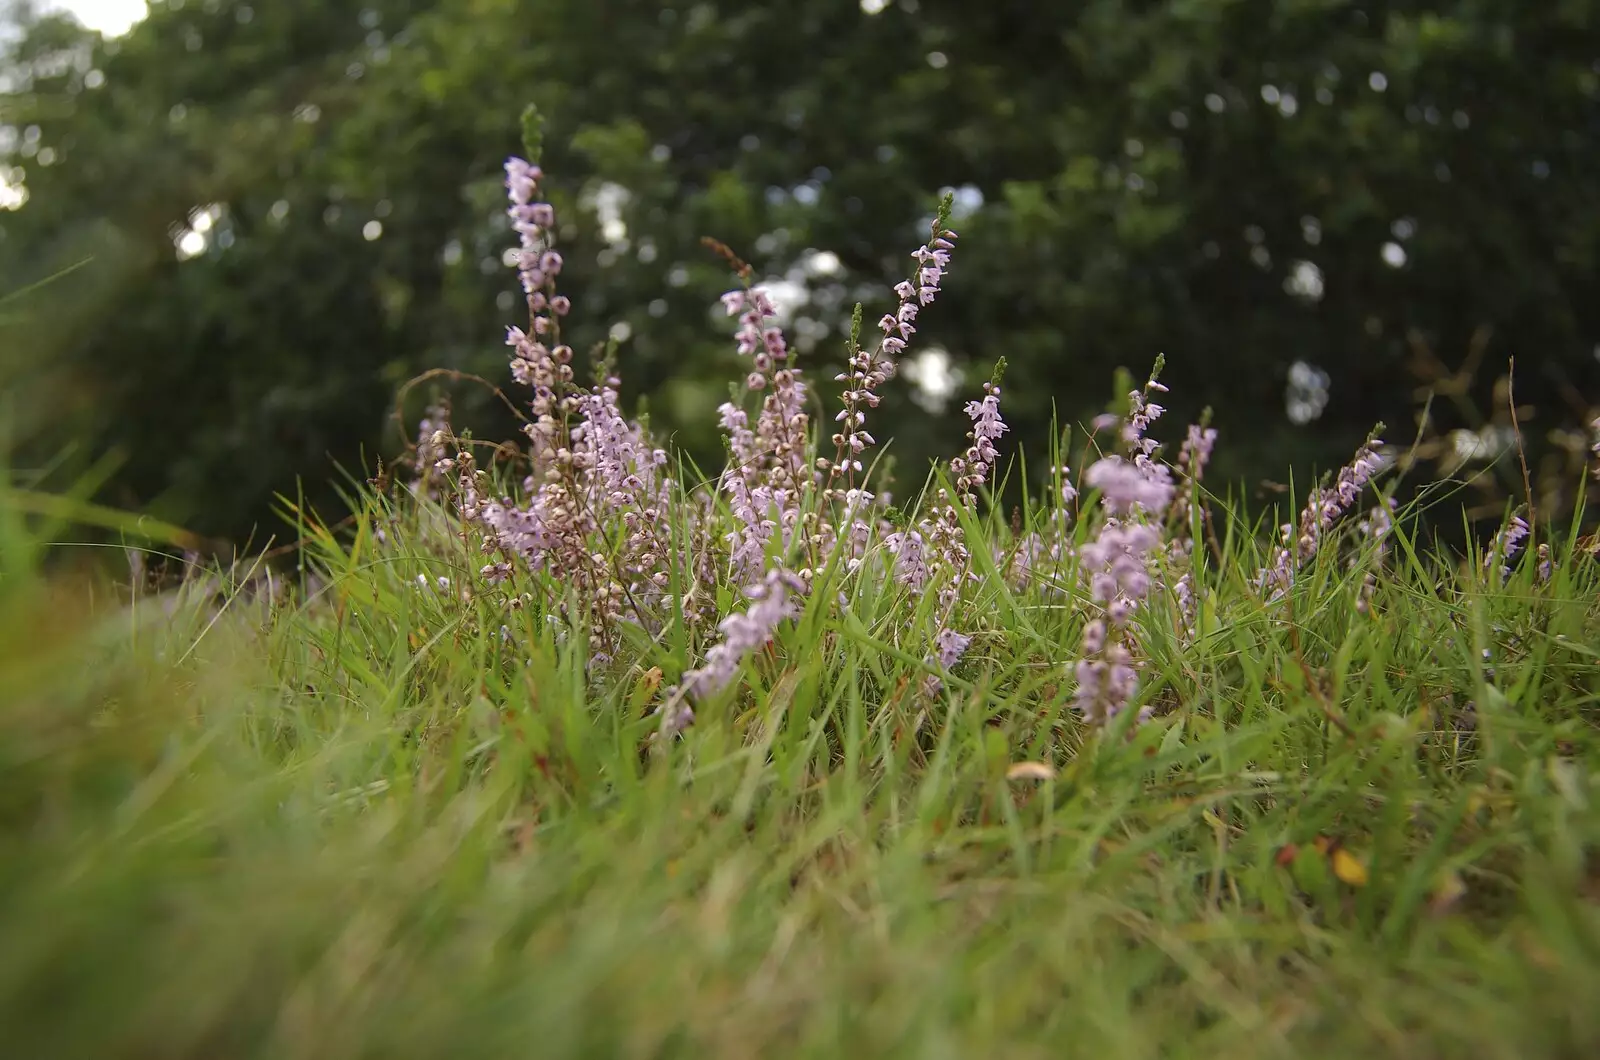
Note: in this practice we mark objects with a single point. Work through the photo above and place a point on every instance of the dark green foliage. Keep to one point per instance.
(1123, 215)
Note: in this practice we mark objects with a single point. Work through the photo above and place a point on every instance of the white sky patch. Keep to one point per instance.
(192, 241)
(608, 201)
(821, 263)
(111, 17)
(1307, 393)
(1304, 281)
(934, 376)
(968, 199)
(788, 295)
(13, 193)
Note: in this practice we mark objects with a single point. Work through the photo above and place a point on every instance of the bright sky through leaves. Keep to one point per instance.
(111, 17)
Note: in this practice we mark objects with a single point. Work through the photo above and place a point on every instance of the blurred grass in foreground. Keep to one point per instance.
(352, 819)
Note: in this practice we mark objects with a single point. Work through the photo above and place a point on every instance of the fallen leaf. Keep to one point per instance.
(1448, 889)
(1348, 868)
(645, 687)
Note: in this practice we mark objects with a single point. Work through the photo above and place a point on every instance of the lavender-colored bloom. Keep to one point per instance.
(530, 220)
(867, 370)
(769, 461)
(911, 559)
(1124, 487)
(1069, 492)
(1516, 532)
(950, 646)
(1116, 561)
(1322, 510)
(1196, 451)
(1508, 544)
(1107, 683)
(744, 632)
(1142, 413)
(972, 469)
(1192, 460)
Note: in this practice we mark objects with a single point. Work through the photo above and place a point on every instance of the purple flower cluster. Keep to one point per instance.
(772, 601)
(538, 358)
(431, 458)
(596, 509)
(867, 370)
(1126, 487)
(1507, 545)
(1107, 677)
(1116, 563)
(972, 468)
(1117, 566)
(1135, 493)
(1322, 510)
(768, 471)
(756, 338)
(1376, 528)
(1142, 413)
(596, 493)
(910, 551)
(1192, 460)
(948, 648)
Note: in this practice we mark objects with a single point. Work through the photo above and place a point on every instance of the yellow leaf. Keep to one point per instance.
(1349, 868)
(1448, 889)
(644, 688)
(1030, 771)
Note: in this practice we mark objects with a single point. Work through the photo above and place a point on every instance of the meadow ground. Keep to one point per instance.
(761, 766)
(361, 820)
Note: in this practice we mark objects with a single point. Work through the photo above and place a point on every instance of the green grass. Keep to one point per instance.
(365, 824)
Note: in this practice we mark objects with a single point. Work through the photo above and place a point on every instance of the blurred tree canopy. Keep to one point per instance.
(262, 218)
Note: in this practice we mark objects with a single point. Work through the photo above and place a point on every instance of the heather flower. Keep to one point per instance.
(911, 558)
(748, 541)
(1375, 528)
(1116, 561)
(1022, 558)
(973, 468)
(1322, 510)
(949, 646)
(1125, 487)
(1196, 451)
(596, 495)
(867, 370)
(1142, 413)
(431, 455)
(529, 220)
(1116, 565)
(1193, 457)
(773, 455)
(1069, 492)
(1107, 677)
(1508, 543)
(744, 632)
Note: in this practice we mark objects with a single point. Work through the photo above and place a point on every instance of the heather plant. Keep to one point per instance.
(604, 545)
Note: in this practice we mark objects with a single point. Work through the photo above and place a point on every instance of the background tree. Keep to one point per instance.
(1313, 207)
